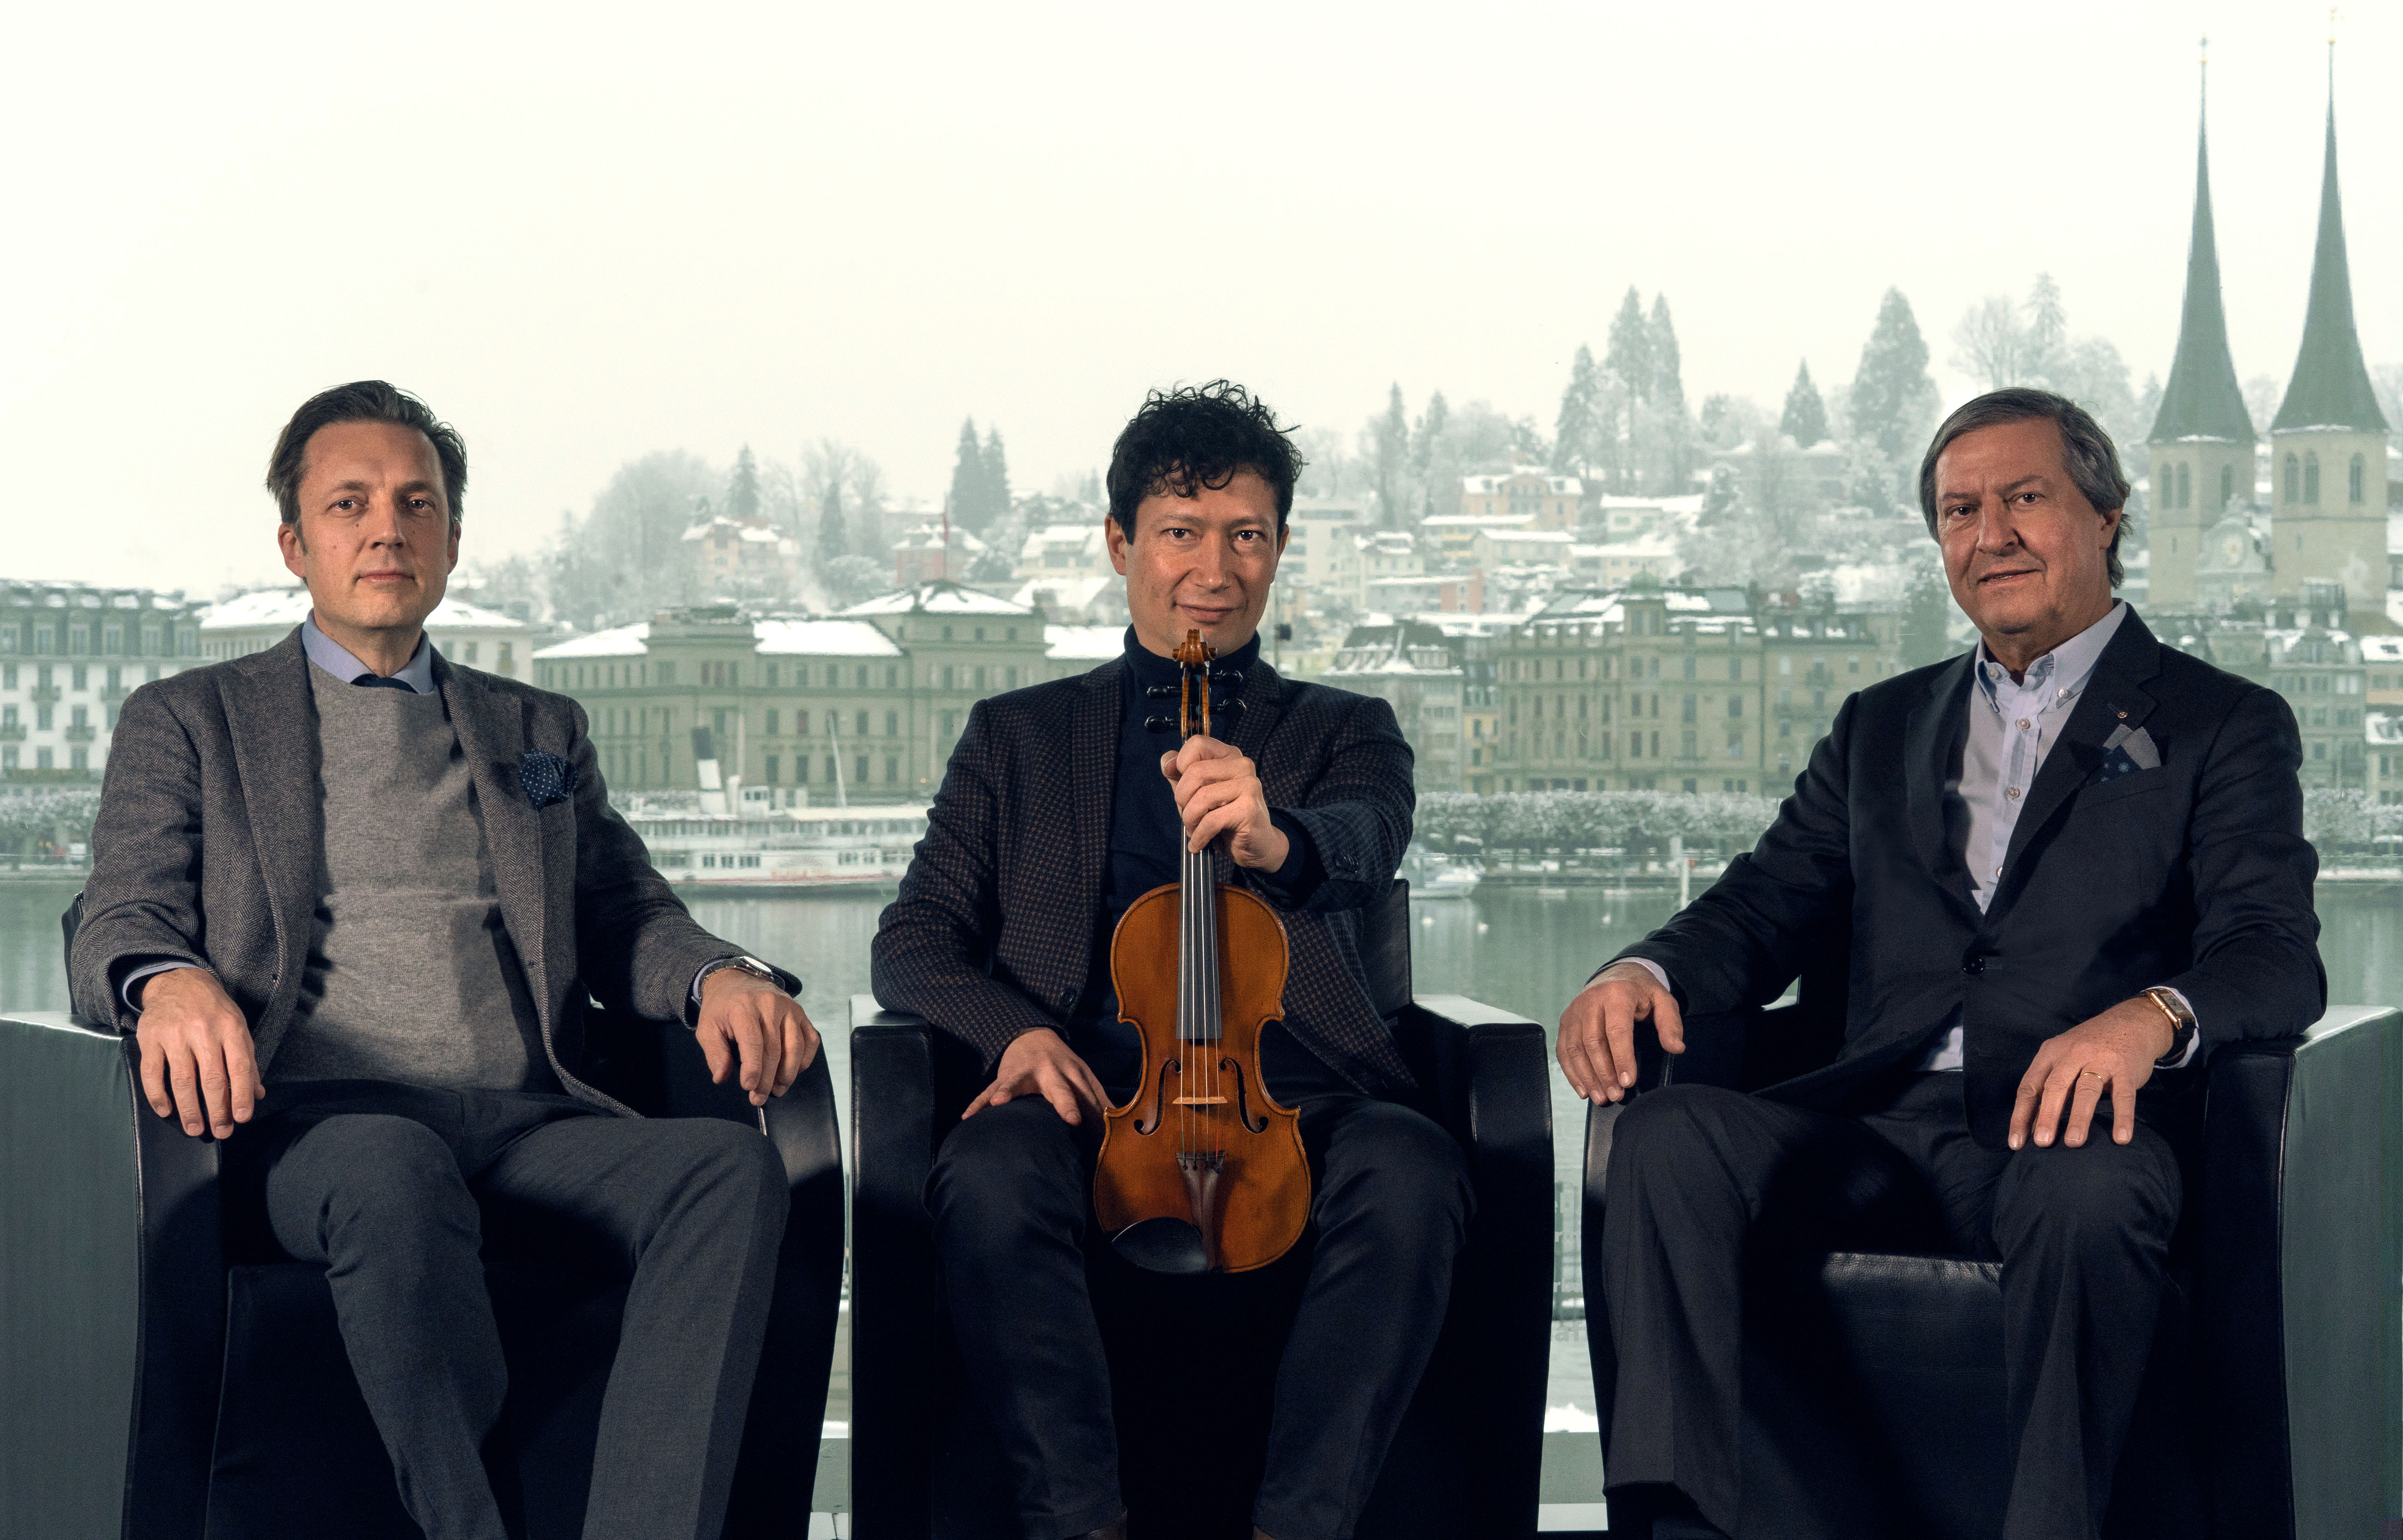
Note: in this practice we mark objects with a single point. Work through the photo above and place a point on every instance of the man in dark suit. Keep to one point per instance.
(2070, 863)
(351, 899)
(1058, 811)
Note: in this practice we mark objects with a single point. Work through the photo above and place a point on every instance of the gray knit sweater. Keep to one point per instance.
(411, 976)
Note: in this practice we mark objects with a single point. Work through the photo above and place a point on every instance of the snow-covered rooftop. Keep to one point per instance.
(2381, 650)
(1096, 643)
(821, 638)
(617, 642)
(1068, 590)
(940, 597)
(290, 606)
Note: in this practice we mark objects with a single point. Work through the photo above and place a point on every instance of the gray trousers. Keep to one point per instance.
(392, 1188)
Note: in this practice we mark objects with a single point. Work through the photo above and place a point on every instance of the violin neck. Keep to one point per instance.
(1196, 960)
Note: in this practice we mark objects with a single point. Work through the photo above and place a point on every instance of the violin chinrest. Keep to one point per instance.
(1163, 1246)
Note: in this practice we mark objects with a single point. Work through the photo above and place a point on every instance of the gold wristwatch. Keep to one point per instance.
(2182, 1024)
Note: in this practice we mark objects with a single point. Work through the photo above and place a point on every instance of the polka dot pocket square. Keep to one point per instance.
(2125, 753)
(545, 778)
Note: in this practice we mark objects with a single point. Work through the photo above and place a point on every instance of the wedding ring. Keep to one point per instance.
(2097, 1073)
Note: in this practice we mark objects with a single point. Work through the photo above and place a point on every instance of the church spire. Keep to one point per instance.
(2330, 387)
(2201, 399)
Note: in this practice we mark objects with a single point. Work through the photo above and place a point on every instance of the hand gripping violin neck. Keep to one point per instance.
(1202, 1171)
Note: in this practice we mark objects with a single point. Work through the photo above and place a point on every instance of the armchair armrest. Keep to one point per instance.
(2301, 1208)
(112, 1341)
(896, 1292)
(1492, 1073)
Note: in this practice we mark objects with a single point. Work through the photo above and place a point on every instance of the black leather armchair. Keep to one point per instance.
(158, 1379)
(1469, 1454)
(2271, 1405)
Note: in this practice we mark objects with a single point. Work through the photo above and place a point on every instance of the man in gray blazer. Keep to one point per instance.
(351, 900)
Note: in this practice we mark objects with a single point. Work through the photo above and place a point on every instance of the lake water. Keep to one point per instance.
(1522, 949)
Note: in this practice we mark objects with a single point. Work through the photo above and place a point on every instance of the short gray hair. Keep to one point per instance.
(362, 401)
(2086, 451)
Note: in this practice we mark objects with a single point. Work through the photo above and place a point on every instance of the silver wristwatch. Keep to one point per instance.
(748, 965)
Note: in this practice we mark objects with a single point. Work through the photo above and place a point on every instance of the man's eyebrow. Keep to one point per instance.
(1963, 495)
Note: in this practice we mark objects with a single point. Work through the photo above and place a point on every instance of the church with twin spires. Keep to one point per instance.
(2325, 519)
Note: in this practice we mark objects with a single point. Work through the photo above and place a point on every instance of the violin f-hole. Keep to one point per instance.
(1160, 1095)
(1242, 1098)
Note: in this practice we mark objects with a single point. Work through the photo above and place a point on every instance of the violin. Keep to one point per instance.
(1202, 1171)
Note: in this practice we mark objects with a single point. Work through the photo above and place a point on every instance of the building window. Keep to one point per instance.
(1735, 705)
(2311, 477)
(2294, 479)
(892, 723)
(1685, 708)
(2226, 485)
(771, 770)
(801, 769)
(2353, 480)
(892, 770)
(1735, 745)
(859, 770)
(1735, 668)
(801, 728)
(771, 733)
(859, 729)
(1009, 675)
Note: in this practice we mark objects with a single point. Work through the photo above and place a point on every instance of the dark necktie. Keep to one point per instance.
(380, 682)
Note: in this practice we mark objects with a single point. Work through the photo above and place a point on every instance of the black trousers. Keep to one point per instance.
(1703, 1179)
(1011, 1198)
(397, 1189)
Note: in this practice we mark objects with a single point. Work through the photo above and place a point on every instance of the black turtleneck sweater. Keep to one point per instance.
(1146, 839)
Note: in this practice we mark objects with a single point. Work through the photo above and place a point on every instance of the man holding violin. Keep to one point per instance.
(1061, 807)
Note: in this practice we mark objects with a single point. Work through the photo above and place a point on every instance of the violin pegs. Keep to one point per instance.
(1159, 724)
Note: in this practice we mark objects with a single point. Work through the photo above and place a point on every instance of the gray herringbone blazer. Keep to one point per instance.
(994, 929)
(208, 838)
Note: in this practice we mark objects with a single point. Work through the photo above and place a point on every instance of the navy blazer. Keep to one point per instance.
(2194, 873)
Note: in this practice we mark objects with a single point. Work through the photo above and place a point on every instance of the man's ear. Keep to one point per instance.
(296, 550)
(1118, 541)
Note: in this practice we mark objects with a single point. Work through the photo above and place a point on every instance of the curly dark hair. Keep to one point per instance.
(362, 401)
(1199, 435)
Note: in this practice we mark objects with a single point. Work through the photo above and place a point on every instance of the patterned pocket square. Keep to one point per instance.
(545, 778)
(2125, 753)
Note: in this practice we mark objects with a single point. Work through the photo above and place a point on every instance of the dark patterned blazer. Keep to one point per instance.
(997, 921)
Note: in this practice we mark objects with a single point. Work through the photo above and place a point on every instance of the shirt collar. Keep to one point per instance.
(2066, 669)
(338, 660)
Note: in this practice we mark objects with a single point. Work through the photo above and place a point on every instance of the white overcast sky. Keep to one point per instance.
(588, 231)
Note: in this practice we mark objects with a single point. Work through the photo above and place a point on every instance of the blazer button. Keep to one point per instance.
(1973, 963)
(1067, 999)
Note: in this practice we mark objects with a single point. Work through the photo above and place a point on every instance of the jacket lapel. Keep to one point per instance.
(272, 722)
(1094, 745)
(1930, 737)
(1263, 698)
(492, 737)
(2113, 697)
